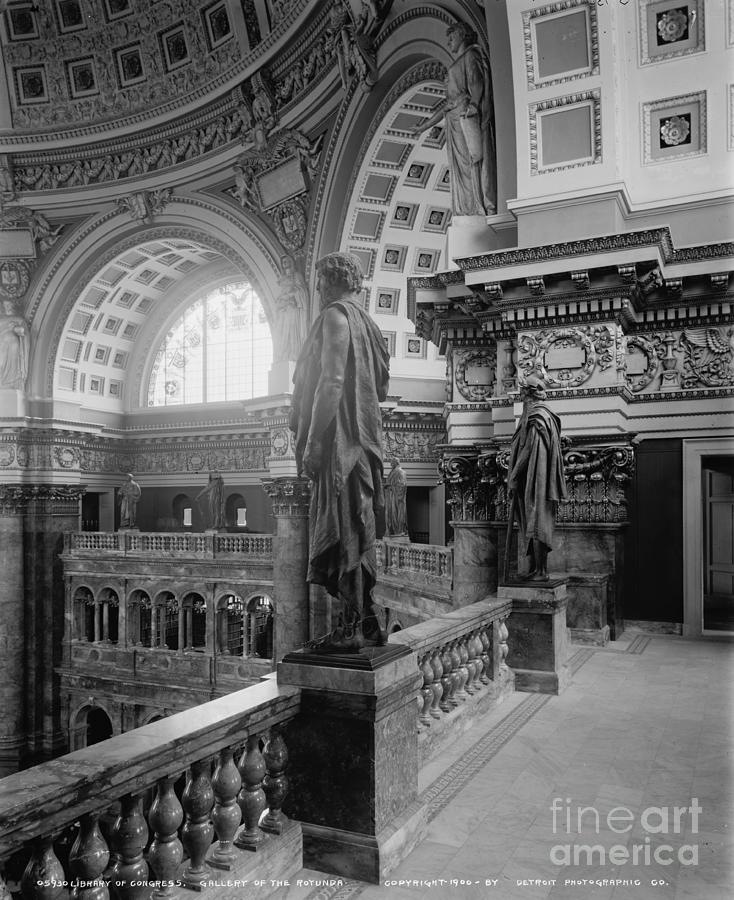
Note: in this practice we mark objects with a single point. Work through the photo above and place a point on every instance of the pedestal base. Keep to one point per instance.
(538, 638)
(354, 758)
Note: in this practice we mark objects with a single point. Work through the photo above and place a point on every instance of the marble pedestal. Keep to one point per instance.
(353, 767)
(538, 638)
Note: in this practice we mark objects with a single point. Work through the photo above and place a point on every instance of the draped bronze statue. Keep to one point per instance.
(535, 479)
(341, 376)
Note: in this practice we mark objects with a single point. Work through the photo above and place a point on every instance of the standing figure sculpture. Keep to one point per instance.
(292, 304)
(214, 494)
(14, 343)
(469, 118)
(396, 492)
(128, 497)
(341, 376)
(535, 479)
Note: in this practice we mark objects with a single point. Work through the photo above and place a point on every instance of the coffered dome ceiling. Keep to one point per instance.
(82, 66)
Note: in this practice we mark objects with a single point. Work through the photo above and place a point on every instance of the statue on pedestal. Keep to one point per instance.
(14, 343)
(341, 376)
(128, 497)
(214, 495)
(469, 117)
(535, 478)
(396, 492)
(292, 304)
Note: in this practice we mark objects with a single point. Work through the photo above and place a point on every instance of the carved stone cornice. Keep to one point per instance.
(291, 497)
(466, 494)
(41, 499)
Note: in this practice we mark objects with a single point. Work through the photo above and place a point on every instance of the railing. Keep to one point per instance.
(418, 565)
(198, 546)
(460, 654)
(45, 808)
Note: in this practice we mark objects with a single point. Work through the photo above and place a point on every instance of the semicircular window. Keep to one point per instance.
(220, 349)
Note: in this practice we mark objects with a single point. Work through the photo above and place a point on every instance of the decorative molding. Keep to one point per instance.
(708, 357)
(142, 206)
(596, 346)
(685, 127)
(528, 19)
(484, 359)
(659, 238)
(22, 217)
(592, 99)
(672, 21)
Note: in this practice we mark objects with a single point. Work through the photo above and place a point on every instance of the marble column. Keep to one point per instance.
(354, 762)
(51, 511)
(12, 624)
(290, 498)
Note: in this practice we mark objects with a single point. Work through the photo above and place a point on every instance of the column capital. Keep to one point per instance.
(290, 496)
(13, 499)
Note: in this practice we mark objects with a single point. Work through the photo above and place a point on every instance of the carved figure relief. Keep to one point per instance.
(43, 235)
(293, 305)
(351, 40)
(14, 347)
(144, 205)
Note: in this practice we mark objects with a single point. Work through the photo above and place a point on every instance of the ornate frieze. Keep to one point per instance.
(708, 357)
(41, 499)
(290, 496)
(413, 445)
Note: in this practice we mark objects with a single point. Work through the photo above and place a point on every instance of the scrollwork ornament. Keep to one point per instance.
(708, 357)
(291, 223)
(280, 442)
(532, 349)
(640, 344)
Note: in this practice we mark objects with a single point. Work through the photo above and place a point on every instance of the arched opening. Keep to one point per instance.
(193, 622)
(108, 608)
(235, 511)
(166, 621)
(139, 619)
(99, 727)
(83, 614)
(182, 511)
(259, 627)
(231, 625)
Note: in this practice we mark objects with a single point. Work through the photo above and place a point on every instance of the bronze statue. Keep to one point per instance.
(535, 478)
(469, 116)
(128, 497)
(214, 494)
(341, 376)
(396, 491)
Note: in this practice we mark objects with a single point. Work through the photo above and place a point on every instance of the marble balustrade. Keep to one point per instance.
(173, 545)
(460, 654)
(425, 566)
(52, 816)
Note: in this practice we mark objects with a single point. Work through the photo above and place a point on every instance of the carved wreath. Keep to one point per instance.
(533, 349)
(646, 348)
(476, 392)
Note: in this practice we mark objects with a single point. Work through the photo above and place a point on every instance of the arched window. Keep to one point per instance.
(83, 614)
(139, 619)
(182, 511)
(220, 349)
(232, 625)
(236, 511)
(194, 622)
(260, 628)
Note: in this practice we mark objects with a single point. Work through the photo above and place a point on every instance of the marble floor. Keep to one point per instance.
(644, 727)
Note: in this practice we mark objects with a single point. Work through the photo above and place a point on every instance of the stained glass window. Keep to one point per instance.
(220, 349)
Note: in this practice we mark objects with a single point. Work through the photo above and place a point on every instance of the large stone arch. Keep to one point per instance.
(99, 239)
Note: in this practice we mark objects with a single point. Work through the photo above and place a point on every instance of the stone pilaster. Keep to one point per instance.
(475, 544)
(290, 497)
(51, 510)
(12, 623)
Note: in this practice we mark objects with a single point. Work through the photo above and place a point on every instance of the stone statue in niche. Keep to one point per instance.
(535, 479)
(14, 346)
(396, 492)
(469, 116)
(128, 497)
(213, 494)
(341, 376)
(292, 304)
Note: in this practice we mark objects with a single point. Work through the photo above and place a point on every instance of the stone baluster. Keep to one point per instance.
(275, 783)
(503, 634)
(486, 662)
(473, 664)
(129, 875)
(426, 690)
(457, 675)
(466, 665)
(44, 877)
(198, 831)
(251, 798)
(475, 650)
(166, 851)
(447, 682)
(226, 816)
(436, 685)
(88, 860)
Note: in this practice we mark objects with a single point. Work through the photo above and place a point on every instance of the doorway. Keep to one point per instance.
(718, 544)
